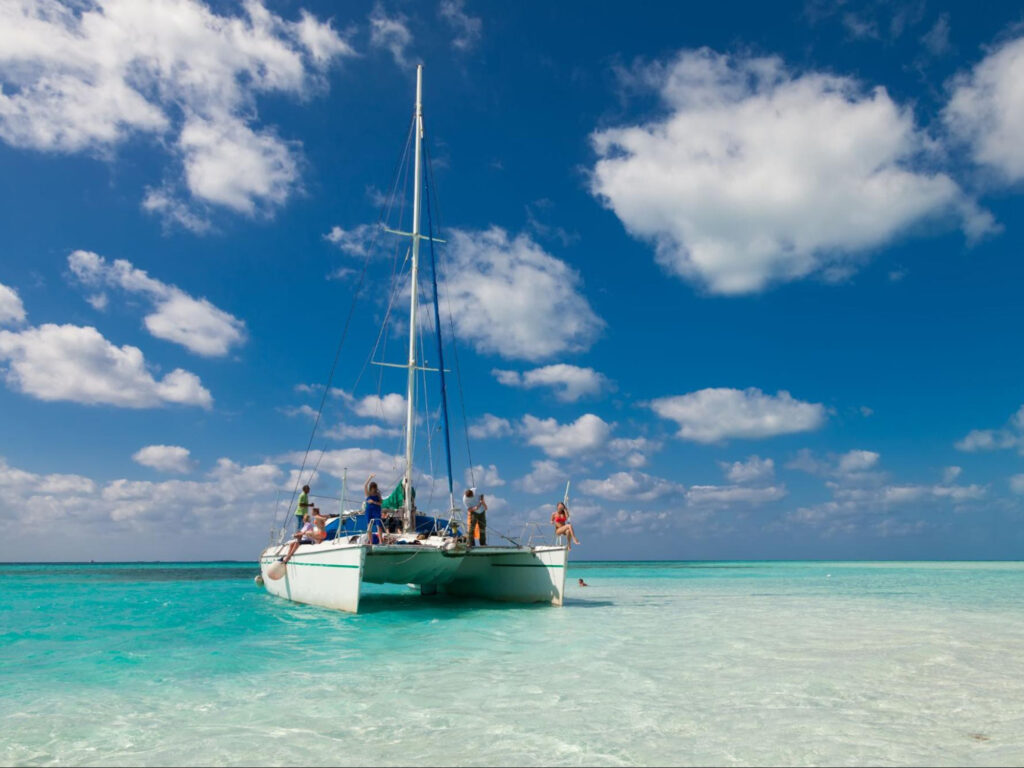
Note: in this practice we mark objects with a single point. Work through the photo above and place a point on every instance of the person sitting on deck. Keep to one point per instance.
(372, 506)
(560, 519)
(392, 520)
(311, 532)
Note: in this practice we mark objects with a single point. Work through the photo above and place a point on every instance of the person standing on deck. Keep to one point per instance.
(302, 508)
(372, 506)
(476, 511)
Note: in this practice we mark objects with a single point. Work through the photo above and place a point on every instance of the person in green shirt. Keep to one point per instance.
(302, 508)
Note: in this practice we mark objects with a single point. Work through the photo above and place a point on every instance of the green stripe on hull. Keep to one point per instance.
(316, 565)
(525, 565)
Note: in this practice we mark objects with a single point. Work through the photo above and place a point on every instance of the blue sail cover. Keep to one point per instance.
(356, 524)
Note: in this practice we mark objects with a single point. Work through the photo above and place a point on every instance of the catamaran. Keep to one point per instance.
(425, 552)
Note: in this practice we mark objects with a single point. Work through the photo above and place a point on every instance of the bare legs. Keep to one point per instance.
(291, 550)
(566, 530)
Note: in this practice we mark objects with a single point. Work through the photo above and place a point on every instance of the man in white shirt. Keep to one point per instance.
(476, 515)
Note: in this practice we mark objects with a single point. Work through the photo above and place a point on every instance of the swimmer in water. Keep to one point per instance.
(583, 583)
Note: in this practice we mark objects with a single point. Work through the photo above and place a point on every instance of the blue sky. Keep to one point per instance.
(747, 274)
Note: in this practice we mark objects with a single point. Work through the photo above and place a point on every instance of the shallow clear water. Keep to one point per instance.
(653, 663)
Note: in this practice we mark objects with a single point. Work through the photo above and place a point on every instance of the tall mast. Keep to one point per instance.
(410, 517)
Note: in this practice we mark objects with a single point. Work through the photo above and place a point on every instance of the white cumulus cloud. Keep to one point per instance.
(545, 476)
(587, 434)
(569, 382)
(857, 461)
(511, 298)
(633, 451)
(305, 411)
(467, 28)
(753, 470)
(195, 324)
(485, 476)
(490, 426)
(11, 309)
(1009, 436)
(230, 164)
(759, 175)
(728, 495)
(391, 408)
(356, 241)
(390, 32)
(165, 458)
(89, 77)
(631, 486)
(360, 431)
(986, 110)
(987, 440)
(864, 498)
(950, 474)
(359, 463)
(69, 362)
(714, 414)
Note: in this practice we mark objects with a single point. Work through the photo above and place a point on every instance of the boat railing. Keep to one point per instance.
(537, 533)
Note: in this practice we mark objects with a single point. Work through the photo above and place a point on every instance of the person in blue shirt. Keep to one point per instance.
(372, 505)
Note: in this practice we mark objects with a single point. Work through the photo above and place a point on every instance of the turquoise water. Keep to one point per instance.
(652, 664)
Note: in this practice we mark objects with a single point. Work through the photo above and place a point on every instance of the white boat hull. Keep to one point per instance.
(331, 574)
(327, 574)
(510, 574)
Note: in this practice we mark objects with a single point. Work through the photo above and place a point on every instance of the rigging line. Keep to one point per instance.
(395, 269)
(451, 321)
(348, 321)
(403, 162)
(316, 466)
(426, 422)
(323, 398)
(455, 347)
(330, 376)
(380, 334)
(440, 343)
(430, 447)
(403, 166)
(380, 345)
(399, 180)
(462, 401)
(409, 428)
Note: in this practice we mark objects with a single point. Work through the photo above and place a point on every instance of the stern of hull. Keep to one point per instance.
(517, 576)
(329, 575)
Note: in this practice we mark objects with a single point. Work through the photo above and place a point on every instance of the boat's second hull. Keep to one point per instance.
(518, 575)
